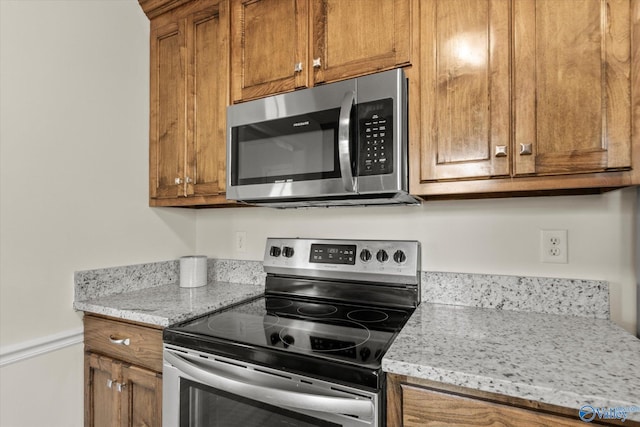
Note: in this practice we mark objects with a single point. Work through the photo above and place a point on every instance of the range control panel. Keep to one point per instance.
(395, 261)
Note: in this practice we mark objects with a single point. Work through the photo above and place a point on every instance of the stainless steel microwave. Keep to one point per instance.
(339, 144)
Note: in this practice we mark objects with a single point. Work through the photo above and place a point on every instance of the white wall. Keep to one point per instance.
(493, 236)
(74, 149)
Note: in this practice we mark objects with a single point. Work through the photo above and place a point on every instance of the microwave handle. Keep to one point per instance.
(344, 147)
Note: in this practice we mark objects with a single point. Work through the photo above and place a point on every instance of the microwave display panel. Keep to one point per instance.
(294, 148)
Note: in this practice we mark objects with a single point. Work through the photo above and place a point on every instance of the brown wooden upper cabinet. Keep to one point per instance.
(282, 45)
(506, 96)
(526, 95)
(189, 94)
(464, 99)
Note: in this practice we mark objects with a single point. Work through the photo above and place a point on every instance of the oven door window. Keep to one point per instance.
(298, 148)
(203, 406)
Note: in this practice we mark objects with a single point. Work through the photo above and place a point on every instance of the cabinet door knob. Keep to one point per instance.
(116, 341)
(526, 149)
(317, 63)
(109, 383)
(188, 180)
(298, 67)
(501, 151)
(120, 387)
(178, 181)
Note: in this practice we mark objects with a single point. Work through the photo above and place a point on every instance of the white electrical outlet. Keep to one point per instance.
(241, 241)
(553, 246)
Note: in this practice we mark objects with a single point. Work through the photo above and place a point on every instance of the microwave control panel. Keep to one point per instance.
(375, 128)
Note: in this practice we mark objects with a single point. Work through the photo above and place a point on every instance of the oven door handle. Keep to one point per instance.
(290, 399)
(344, 147)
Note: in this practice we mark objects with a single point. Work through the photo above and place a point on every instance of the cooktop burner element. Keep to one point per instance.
(316, 309)
(275, 304)
(325, 341)
(229, 324)
(368, 315)
(328, 310)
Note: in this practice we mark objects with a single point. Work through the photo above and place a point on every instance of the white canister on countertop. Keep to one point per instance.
(193, 271)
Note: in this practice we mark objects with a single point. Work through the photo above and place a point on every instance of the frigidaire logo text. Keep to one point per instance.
(306, 123)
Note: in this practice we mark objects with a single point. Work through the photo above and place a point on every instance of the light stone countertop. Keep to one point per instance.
(562, 360)
(168, 304)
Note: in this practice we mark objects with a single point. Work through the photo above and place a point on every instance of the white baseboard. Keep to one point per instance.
(32, 348)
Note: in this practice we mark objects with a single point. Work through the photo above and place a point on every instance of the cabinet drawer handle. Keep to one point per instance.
(119, 386)
(526, 149)
(501, 151)
(123, 341)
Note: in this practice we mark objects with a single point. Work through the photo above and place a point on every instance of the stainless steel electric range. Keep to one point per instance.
(306, 353)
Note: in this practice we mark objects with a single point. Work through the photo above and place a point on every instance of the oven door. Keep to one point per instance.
(201, 389)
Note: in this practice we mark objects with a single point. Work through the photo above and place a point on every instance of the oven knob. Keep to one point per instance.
(275, 338)
(399, 257)
(365, 255)
(365, 353)
(382, 255)
(287, 251)
(275, 251)
(288, 340)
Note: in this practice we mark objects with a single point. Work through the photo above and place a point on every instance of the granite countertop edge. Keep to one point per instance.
(562, 398)
(169, 304)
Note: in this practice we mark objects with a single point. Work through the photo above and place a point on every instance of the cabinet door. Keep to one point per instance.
(572, 86)
(141, 397)
(102, 404)
(464, 98)
(167, 111)
(269, 40)
(356, 37)
(207, 83)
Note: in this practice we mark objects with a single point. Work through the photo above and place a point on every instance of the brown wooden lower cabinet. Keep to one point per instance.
(413, 402)
(118, 391)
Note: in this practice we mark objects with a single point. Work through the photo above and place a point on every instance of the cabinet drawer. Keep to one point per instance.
(421, 407)
(136, 344)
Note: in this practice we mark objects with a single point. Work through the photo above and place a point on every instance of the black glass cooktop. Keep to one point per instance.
(302, 334)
